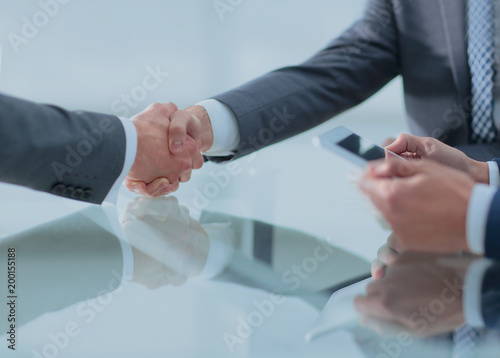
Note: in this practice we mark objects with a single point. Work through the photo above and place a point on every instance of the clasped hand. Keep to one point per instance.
(169, 146)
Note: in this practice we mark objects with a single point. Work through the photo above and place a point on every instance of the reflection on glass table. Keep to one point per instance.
(84, 261)
(246, 251)
(165, 280)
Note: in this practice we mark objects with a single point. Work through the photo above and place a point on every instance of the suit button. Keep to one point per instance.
(58, 189)
(87, 193)
(77, 194)
(69, 191)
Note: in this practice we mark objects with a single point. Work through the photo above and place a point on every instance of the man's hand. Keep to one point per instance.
(424, 202)
(156, 171)
(413, 147)
(386, 256)
(406, 297)
(193, 122)
(185, 125)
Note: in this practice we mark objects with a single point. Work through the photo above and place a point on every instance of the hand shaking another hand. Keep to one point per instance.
(169, 146)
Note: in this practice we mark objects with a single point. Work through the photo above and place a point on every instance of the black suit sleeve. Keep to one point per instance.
(78, 155)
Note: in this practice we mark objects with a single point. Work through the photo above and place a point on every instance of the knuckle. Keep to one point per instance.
(155, 106)
(429, 144)
(186, 165)
(198, 164)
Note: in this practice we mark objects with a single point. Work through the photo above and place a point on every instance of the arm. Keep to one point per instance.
(294, 99)
(50, 149)
(82, 155)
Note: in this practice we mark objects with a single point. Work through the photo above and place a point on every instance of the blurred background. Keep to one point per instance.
(89, 54)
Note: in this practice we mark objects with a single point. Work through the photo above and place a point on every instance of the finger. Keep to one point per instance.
(129, 184)
(155, 188)
(386, 255)
(165, 109)
(173, 187)
(395, 244)
(388, 141)
(198, 161)
(391, 167)
(377, 269)
(185, 177)
(408, 143)
(182, 123)
(136, 186)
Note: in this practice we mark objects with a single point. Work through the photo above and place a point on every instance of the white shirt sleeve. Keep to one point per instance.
(130, 152)
(494, 174)
(472, 293)
(224, 126)
(477, 216)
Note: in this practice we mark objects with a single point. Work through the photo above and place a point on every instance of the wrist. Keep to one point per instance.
(479, 171)
(207, 135)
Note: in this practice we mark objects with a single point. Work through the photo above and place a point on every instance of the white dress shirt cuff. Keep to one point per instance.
(494, 174)
(477, 216)
(224, 126)
(130, 152)
(472, 293)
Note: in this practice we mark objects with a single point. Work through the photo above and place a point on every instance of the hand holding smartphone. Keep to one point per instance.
(357, 150)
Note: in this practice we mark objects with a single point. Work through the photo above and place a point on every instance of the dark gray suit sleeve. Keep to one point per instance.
(490, 297)
(291, 100)
(78, 155)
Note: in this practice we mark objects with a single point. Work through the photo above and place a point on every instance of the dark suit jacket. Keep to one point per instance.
(421, 40)
(490, 298)
(492, 241)
(78, 155)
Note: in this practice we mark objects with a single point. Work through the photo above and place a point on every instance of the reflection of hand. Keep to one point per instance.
(386, 255)
(186, 125)
(156, 171)
(420, 293)
(168, 245)
(426, 208)
(414, 147)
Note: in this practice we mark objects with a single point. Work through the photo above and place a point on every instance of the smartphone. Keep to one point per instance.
(352, 147)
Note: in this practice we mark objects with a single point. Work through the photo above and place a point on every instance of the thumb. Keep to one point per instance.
(392, 166)
(182, 123)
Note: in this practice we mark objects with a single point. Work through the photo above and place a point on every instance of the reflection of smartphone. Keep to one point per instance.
(351, 146)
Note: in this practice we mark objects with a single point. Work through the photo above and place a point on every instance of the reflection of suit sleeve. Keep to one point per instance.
(490, 301)
(492, 240)
(293, 99)
(61, 263)
(73, 154)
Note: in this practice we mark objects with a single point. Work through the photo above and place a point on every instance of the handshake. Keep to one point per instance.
(169, 147)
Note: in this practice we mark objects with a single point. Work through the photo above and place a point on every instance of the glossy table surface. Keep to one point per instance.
(239, 263)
